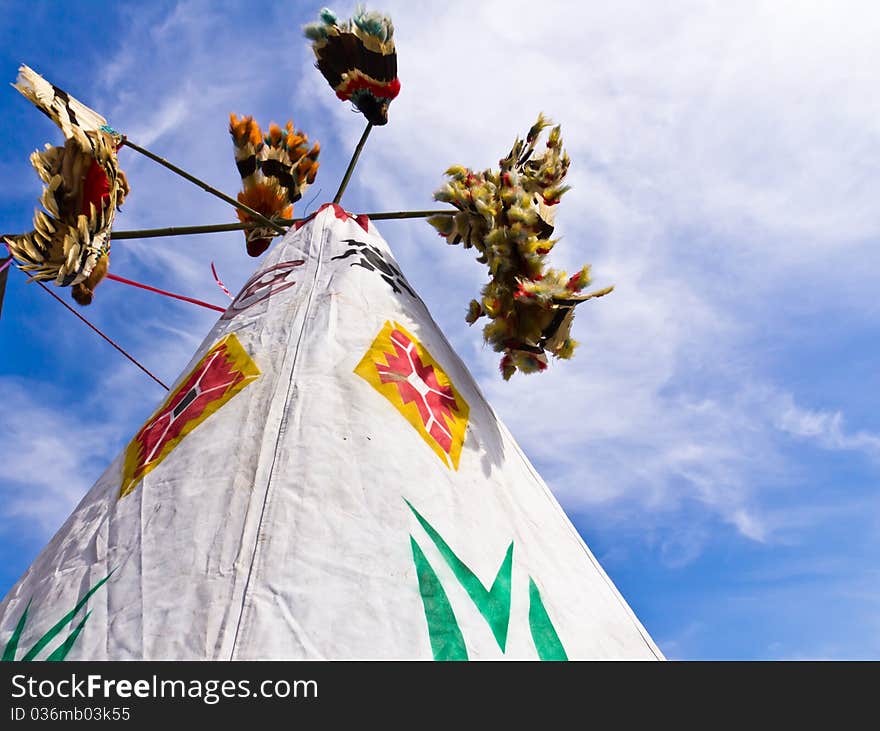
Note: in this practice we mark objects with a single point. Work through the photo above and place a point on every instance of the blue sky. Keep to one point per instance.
(715, 439)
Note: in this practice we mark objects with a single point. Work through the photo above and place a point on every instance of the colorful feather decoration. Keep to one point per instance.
(358, 59)
(275, 169)
(507, 215)
(84, 186)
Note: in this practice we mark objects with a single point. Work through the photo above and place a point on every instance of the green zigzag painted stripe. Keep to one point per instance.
(493, 604)
(64, 648)
(547, 642)
(447, 642)
(56, 629)
(12, 645)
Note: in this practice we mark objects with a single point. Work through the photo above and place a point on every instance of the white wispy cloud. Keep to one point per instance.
(51, 455)
(824, 428)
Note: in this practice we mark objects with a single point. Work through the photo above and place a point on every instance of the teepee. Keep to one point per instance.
(325, 480)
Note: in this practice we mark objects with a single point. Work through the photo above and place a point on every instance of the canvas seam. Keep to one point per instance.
(281, 428)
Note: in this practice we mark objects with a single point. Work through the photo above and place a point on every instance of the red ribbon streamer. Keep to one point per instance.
(219, 283)
(103, 336)
(123, 280)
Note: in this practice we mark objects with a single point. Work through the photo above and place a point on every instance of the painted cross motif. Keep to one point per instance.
(404, 372)
(224, 371)
(373, 260)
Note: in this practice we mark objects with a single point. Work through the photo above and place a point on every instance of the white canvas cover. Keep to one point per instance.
(325, 480)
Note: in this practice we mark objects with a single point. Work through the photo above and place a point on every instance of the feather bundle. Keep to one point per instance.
(84, 186)
(275, 171)
(358, 59)
(507, 215)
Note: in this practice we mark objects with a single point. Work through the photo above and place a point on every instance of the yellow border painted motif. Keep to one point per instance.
(455, 422)
(238, 361)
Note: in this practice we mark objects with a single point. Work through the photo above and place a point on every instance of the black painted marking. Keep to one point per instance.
(191, 396)
(373, 260)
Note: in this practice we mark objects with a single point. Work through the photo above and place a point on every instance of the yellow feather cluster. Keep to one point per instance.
(507, 215)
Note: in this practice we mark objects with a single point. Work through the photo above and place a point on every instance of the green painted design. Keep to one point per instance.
(64, 621)
(12, 645)
(547, 642)
(447, 641)
(64, 648)
(493, 604)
